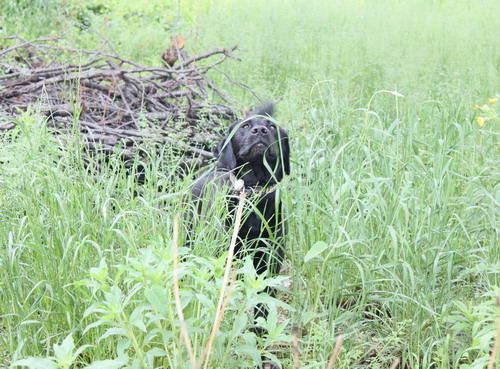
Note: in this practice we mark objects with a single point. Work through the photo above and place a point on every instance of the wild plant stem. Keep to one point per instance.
(234, 238)
(336, 351)
(184, 331)
(494, 352)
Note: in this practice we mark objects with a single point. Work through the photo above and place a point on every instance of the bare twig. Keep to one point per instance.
(23, 44)
(133, 134)
(210, 53)
(239, 84)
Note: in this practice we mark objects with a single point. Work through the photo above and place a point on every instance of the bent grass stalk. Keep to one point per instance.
(494, 352)
(178, 305)
(396, 363)
(336, 351)
(219, 311)
(295, 344)
(222, 303)
(218, 318)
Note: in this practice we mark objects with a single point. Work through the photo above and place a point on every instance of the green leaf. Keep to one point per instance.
(106, 364)
(64, 352)
(137, 316)
(239, 324)
(157, 297)
(315, 250)
(93, 325)
(136, 364)
(156, 351)
(92, 308)
(121, 348)
(273, 358)
(36, 363)
(205, 301)
(250, 351)
(100, 273)
(113, 332)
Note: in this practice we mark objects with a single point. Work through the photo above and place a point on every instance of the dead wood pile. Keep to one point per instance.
(116, 102)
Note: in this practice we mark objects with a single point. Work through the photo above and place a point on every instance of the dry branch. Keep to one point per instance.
(116, 100)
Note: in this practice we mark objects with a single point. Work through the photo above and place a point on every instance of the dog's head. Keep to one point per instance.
(257, 145)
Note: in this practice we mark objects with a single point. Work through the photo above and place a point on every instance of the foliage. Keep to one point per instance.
(477, 323)
(134, 310)
(392, 210)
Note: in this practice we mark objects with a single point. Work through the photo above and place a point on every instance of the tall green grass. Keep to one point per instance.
(392, 209)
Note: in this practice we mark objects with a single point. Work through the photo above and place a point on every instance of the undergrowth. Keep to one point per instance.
(392, 205)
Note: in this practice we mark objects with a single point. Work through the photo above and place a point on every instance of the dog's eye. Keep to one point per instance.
(272, 126)
(246, 126)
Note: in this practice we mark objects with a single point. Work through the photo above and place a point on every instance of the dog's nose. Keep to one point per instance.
(260, 129)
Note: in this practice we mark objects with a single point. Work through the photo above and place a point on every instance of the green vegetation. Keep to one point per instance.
(393, 206)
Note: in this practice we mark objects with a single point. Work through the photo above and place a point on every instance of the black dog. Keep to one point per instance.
(254, 157)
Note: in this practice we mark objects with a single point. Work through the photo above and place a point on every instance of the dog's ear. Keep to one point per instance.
(225, 155)
(285, 150)
(266, 110)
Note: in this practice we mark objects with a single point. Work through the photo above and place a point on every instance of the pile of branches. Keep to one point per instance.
(117, 102)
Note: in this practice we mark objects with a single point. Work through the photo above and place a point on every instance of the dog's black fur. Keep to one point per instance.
(257, 152)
